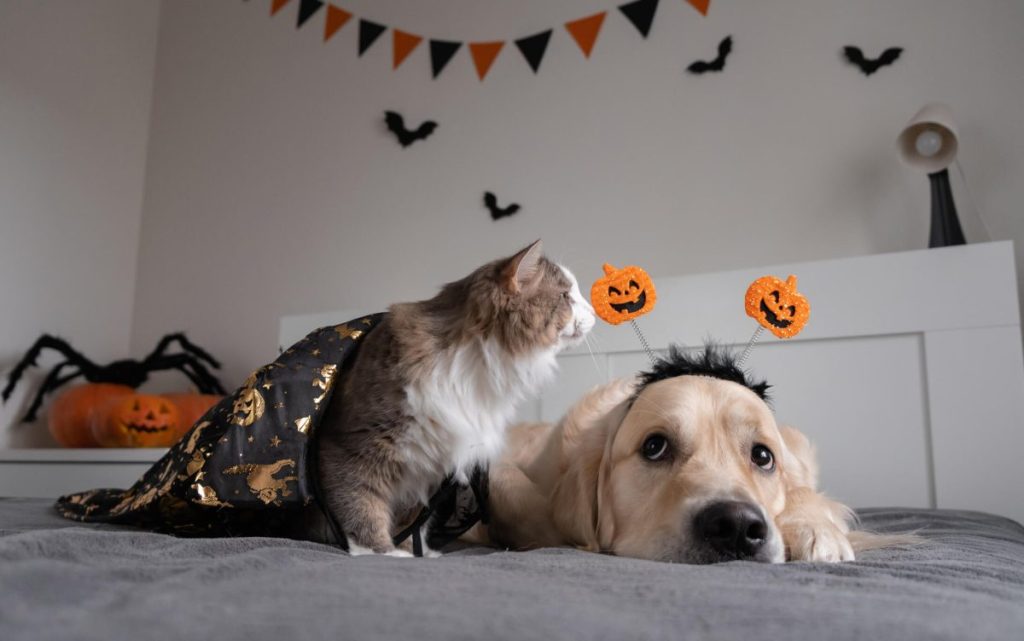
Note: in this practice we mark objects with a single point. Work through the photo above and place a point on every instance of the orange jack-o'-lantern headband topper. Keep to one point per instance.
(777, 306)
(624, 295)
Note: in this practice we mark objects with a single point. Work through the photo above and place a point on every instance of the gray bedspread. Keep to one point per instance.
(63, 580)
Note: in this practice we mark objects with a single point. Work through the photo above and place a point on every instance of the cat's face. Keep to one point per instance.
(530, 303)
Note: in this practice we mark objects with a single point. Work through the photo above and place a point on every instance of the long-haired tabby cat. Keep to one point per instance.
(434, 386)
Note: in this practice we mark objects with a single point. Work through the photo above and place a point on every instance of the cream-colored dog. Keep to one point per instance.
(688, 469)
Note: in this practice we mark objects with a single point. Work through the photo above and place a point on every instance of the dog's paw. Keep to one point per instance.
(402, 554)
(822, 542)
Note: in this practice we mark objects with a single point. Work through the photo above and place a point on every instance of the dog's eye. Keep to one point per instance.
(762, 457)
(655, 447)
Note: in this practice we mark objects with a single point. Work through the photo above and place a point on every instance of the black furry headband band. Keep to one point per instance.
(713, 361)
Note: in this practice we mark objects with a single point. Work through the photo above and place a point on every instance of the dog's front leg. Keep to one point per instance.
(814, 527)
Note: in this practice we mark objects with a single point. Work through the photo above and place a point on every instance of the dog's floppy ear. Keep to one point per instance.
(579, 506)
(800, 463)
(605, 516)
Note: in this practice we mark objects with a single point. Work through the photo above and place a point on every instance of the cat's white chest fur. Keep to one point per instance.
(463, 408)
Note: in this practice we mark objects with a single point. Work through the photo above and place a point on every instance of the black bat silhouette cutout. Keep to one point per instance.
(396, 124)
(701, 66)
(856, 57)
(498, 212)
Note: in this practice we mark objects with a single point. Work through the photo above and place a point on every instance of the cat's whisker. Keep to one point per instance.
(597, 368)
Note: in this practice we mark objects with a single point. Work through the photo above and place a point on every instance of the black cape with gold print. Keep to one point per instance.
(248, 466)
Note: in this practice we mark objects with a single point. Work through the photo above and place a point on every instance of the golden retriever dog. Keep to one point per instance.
(685, 464)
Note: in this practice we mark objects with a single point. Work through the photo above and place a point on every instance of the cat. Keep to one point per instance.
(434, 386)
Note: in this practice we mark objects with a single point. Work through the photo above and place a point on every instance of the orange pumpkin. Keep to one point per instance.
(192, 407)
(777, 305)
(139, 420)
(622, 294)
(70, 415)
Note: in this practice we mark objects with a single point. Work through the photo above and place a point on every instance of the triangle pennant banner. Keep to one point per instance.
(277, 5)
(441, 51)
(533, 48)
(641, 14)
(402, 45)
(484, 54)
(306, 10)
(368, 34)
(584, 31)
(700, 5)
(336, 19)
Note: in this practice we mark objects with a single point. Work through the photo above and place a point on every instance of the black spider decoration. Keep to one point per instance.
(189, 362)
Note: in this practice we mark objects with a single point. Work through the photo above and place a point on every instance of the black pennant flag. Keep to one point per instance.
(368, 34)
(533, 48)
(441, 51)
(306, 10)
(641, 14)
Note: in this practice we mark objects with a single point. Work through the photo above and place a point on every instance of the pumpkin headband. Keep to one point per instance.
(777, 306)
(624, 295)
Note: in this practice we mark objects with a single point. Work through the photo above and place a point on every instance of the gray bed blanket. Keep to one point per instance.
(63, 580)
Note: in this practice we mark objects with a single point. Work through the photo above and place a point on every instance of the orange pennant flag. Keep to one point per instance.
(336, 19)
(402, 45)
(277, 5)
(484, 54)
(584, 31)
(701, 5)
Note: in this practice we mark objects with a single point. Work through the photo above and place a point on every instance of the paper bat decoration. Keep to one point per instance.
(498, 212)
(700, 66)
(396, 124)
(868, 66)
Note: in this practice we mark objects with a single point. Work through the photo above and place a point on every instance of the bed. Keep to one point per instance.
(949, 437)
(63, 580)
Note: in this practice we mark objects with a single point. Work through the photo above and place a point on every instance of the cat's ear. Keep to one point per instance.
(522, 269)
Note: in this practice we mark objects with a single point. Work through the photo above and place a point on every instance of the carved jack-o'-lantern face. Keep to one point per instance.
(249, 405)
(138, 420)
(777, 306)
(622, 294)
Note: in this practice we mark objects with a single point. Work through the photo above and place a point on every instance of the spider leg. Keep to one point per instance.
(188, 365)
(186, 345)
(53, 381)
(212, 383)
(29, 359)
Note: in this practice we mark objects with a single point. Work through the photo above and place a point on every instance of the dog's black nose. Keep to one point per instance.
(732, 528)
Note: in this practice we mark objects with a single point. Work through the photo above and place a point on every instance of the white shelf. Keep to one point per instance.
(51, 472)
(82, 455)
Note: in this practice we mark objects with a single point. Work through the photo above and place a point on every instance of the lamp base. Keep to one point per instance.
(946, 230)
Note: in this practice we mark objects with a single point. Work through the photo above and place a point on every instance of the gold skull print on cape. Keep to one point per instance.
(249, 461)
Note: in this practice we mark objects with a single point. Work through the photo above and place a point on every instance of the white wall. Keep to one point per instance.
(273, 188)
(75, 86)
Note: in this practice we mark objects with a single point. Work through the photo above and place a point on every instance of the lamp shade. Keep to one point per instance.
(929, 141)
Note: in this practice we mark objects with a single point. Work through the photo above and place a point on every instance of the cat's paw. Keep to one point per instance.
(820, 541)
(354, 549)
(358, 550)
